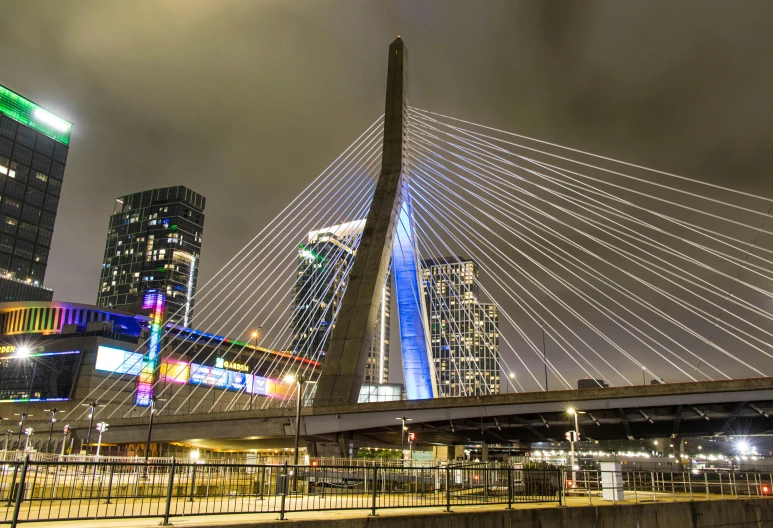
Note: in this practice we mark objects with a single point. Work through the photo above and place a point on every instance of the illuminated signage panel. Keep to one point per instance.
(208, 376)
(172, 371)
(117, 361)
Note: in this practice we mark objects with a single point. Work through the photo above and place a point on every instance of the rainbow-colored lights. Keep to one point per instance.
(155, 301)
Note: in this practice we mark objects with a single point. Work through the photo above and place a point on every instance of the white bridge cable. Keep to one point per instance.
(647, 240)
(323, 178)
(470, 360)
(305, 320)
(351, 174)
(487, 339)
(464, 227)
(663, 173)
(721, 294)
(363, 189)
(288, 229)
(604, 310)
(479, 149)
(706, 317)
(424, 205)
(319, 286)
(482, 287)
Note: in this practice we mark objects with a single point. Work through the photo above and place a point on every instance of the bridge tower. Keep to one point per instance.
(388, 235)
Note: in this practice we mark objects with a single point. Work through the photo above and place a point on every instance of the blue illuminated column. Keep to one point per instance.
(418, 371)
(155, 302)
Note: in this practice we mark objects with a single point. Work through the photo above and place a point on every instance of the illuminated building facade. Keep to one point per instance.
(33, 153)
(55, 351)
(464, 332)
(323, 260)
(154, 243)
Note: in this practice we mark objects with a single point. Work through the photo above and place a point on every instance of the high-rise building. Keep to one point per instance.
(154, 242)
(33, 153)
(464, 332)
(319, 289)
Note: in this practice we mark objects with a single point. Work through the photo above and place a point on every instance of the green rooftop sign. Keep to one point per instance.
(25, 111)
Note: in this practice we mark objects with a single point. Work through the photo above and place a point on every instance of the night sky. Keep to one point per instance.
(246, 101)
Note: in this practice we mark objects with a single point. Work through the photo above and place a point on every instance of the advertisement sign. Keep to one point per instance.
(118, 361)
(208, 376)
(173, 371)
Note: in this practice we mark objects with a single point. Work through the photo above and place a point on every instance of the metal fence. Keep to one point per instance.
(38, 490)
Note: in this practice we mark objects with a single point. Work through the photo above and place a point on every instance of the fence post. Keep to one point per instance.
(284, 493)
(561, 484)
(262, 481)
(486, 476)
(375, 487)
(109, 485)
(169, 488)
(193, 482)
(706, 483)
(689, 482)
(20, 491)
(510, 488)
(448, 488)
(13, 481)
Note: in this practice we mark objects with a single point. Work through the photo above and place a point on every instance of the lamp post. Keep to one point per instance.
(29, 431)
(92, 411)
(255, 335)
(153, 401)
(299, 381)
(575, 438)
(403, 419)
(53, 412)
(8, 435)
(22, 418)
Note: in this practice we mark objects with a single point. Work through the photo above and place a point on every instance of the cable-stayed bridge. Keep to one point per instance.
(591, 268)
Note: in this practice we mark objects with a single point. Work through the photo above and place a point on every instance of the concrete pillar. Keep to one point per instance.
(484, 452)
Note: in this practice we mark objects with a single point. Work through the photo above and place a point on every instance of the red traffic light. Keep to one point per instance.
(765, 490)
(412, 437)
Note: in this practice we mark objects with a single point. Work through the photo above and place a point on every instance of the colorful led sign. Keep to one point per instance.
(7, 349)
(155, 301)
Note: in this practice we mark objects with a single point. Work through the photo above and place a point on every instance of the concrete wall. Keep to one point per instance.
(755, 513)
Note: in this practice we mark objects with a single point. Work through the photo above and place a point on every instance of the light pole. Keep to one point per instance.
(153, 401)
(53, 412)
(403, 419)
(92, 411)
(23, 418)
(575, 437)
(29, 431)
(8, 435)
(255, 335)
(299, 381)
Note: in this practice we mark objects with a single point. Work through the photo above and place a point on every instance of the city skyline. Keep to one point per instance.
(562, 76)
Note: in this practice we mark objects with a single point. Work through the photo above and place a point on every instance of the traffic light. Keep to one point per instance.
(29, 431)
(101, 427)
(412, 437)
(571, 436)
(66, 429)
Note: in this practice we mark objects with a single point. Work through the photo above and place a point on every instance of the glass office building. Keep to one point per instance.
(319, 288)
(153, 242)
(464, 332)
(34, 144)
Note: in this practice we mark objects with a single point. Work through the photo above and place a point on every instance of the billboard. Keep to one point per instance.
(118, 361)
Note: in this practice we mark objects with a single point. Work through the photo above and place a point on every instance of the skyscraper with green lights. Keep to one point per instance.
(154, 243)
(34, 144)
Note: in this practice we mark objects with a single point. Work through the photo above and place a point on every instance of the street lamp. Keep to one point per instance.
(255, 335)
(575, 437)
(23, 418)
(53, 412)
(153, 401)
(92, 411)
(403, 419)
(8, 435)
(299, 381)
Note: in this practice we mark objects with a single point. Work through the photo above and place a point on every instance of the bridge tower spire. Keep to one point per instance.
(389, 220)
